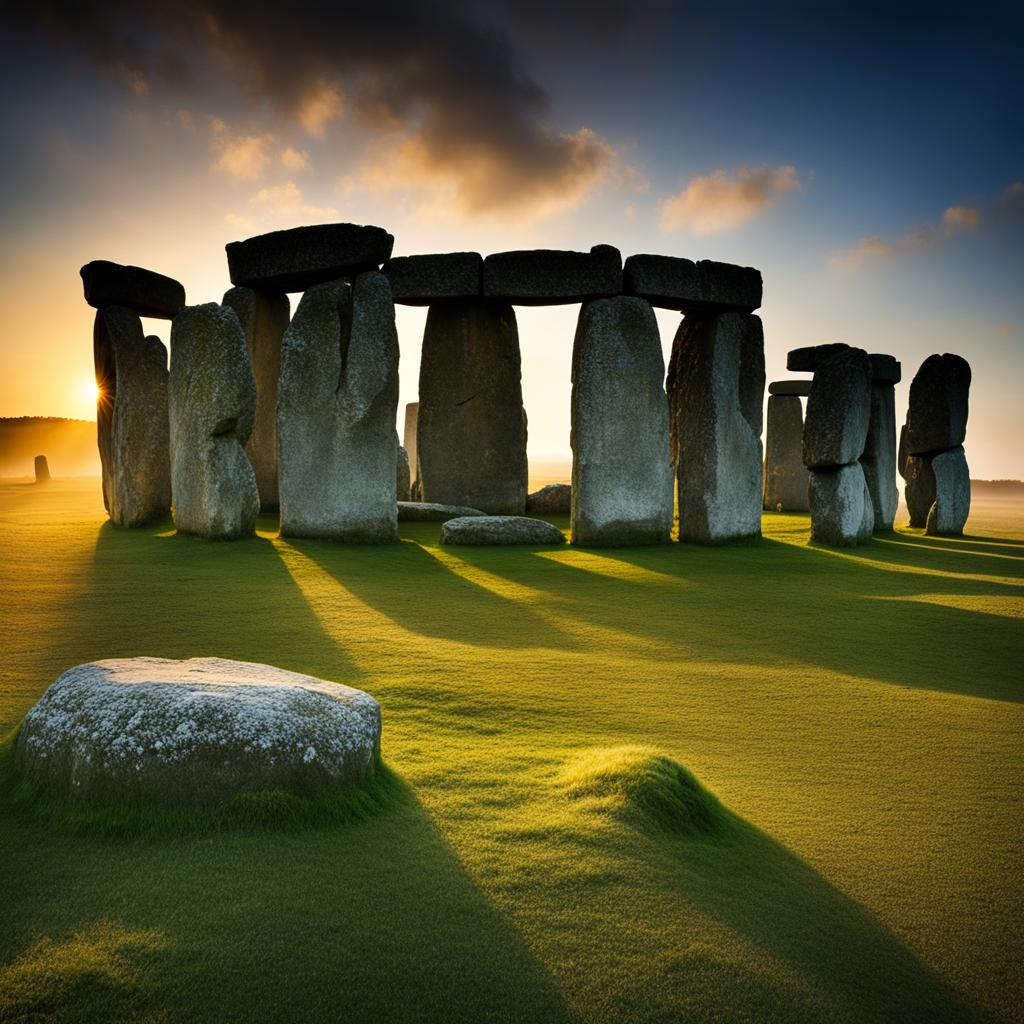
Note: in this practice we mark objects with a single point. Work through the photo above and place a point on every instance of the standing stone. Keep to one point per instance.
(621, 475)
(920, 489)
(212, 407)
(937, 411)
(264, 319)
(838, 409)
(841, 510)
(948, 515)
(902, 454)
(402, 475)
(132, 428)
(412, 412)
(336, 406)
(785, 476)
(42, 468)
(716, 392)
(879, 456)
(470, 438)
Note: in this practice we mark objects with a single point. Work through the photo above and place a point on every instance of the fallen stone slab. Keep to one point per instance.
(885, 369)
(132, 425)
(402, 475)
(621, 474)
(809, 358)
(879, 455)
(919, 491)
(426, 279)
(336, 407)
(212, 404)
(797, 388)
(543, 277)
(298, 258)
(550, 500)
(264, 318)
(143, 291)
(838, 409)
(433, 512)
(42, 469)
(841, 511)
(494, 530)
(195, 732)
(938, 407)
(948, 515)
(705, 287)
(785, 475)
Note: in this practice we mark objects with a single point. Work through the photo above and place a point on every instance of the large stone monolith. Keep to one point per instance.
(264, 319)
(336, 406)
(402, 475)
(920, 489)
(948, 514)
(937, 410)
(841, 511)
(212, 406)
(132, 426)
(716, 394)
(42, 470)
(470, 439)
(880, 452)
(785, 475)
(621, 475)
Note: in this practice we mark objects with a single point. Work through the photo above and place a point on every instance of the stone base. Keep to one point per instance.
(842, 515)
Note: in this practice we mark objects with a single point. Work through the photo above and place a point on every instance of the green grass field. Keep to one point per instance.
(856, 715)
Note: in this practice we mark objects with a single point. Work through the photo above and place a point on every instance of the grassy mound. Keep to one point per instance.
(645, 788)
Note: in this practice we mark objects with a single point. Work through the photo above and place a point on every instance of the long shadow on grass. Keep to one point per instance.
(376, 921)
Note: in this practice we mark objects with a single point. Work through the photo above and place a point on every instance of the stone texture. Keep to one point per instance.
(879, 455)
(542, 277)
(402, 475)
(704, 287)
(432, 512)
(621, 475)
(799, 388)
(920, 489)
(841, 510)
(885, 369)
(212, 402)
(807, 360)
(195, 732)
(423, 280)
(264, 319)
(412, 412)
(298, 258)
(491, 530)
(142, 291)
(42, 469)
(937, 412)
(785, 476)
(838, 409)
(902, 454)
(551, 500)
(716, 393)
(132, 426)
(948, 515)
(336, 407)
(471, 425)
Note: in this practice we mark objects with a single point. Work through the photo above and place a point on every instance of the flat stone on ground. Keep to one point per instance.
(542, 277)
(551, 500)
(143, 291)
(298, 258)
(494, 530)
(433, 512)
(673, 282)
(195, 732)
(425, 279)
(798, 388)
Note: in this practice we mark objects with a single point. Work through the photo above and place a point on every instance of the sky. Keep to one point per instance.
(867, 158)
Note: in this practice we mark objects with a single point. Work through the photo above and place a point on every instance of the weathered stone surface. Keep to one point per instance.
(402, 475)
(902, 454)
(298, 258)
(920, 489)
(195, 732)
(412, 412)
(841, 511)
(471, 426)
(490, 530)
(551, 500)
(879, 455)
(132, 428)
(336, 406)
(885, 369)
(937, 413)
(542, 277)
(432, 512)
(42, 469)
(785, 476)
(212, 403)
(948, 515)
(704, 287)
(142, 291)
(621, 475)
(807, 360)
(838, 409)
(264, 319)
(799, 388)
(716, 393)
(423, 280)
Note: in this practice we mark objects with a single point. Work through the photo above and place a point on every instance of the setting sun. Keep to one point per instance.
(87, 389)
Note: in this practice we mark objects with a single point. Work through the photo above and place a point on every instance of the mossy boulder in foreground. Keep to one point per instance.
(195, 732)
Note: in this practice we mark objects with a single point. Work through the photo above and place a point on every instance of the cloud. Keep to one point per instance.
(295, 159)
(1005, 329)
(874, 249)
(961, 218)
(717, 202)
(1012, 201)
(285, 200)
(323, 104)
(242, 156)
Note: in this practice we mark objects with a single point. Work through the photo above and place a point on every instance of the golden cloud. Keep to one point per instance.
(961, 218)
(241, 156)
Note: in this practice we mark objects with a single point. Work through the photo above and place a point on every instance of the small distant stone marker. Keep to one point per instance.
(500, 530)
(42, 470)
(551, 500)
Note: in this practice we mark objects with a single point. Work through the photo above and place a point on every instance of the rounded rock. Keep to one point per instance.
(493, 530)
